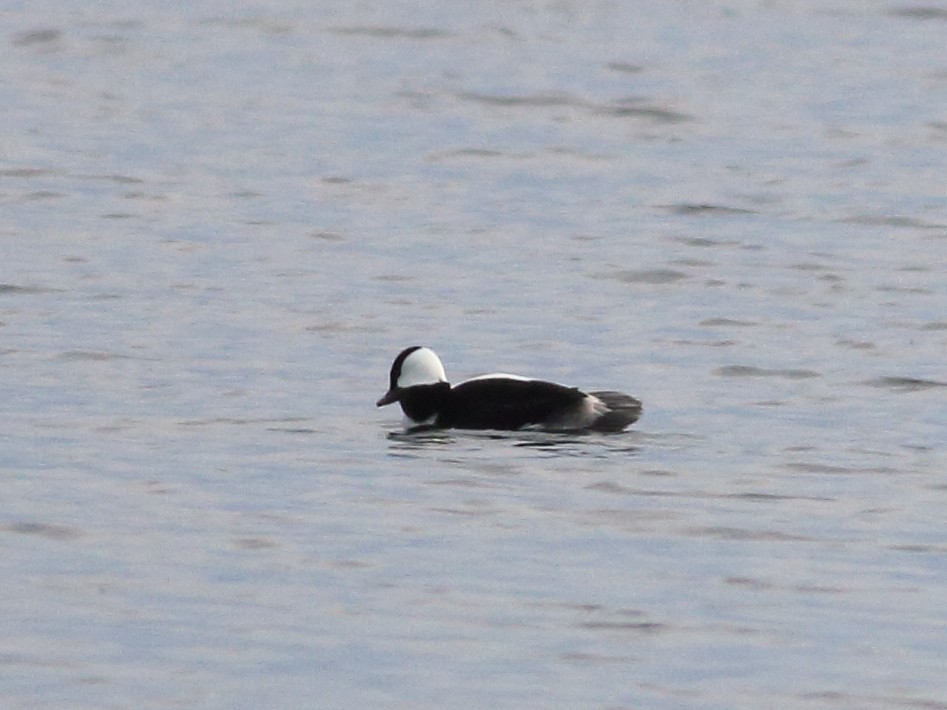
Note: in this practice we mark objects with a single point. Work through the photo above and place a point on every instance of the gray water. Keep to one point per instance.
(220, 223)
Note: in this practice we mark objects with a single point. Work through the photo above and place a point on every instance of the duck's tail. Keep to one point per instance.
(621, 411)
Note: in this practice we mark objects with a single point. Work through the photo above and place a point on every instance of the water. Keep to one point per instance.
(219, 224)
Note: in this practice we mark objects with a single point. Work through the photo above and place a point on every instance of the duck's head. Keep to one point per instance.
(414, 366)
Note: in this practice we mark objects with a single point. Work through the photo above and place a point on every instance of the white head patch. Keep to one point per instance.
(422, 367)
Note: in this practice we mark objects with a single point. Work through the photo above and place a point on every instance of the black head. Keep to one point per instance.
(414, 366)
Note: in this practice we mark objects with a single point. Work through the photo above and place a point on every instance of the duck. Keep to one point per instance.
(418, 382)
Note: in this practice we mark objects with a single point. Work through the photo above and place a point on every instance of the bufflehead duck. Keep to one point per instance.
(498, 401)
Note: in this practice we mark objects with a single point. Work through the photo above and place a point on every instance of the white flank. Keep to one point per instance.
(580, 417)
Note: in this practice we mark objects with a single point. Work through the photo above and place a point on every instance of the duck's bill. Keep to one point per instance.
(390, 396)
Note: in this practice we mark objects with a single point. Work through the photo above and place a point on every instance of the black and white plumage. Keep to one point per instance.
(499, 401)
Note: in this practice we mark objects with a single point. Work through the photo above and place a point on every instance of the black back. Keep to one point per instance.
(499, 403)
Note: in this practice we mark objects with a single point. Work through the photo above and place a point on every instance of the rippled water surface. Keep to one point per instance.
(220, 222)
